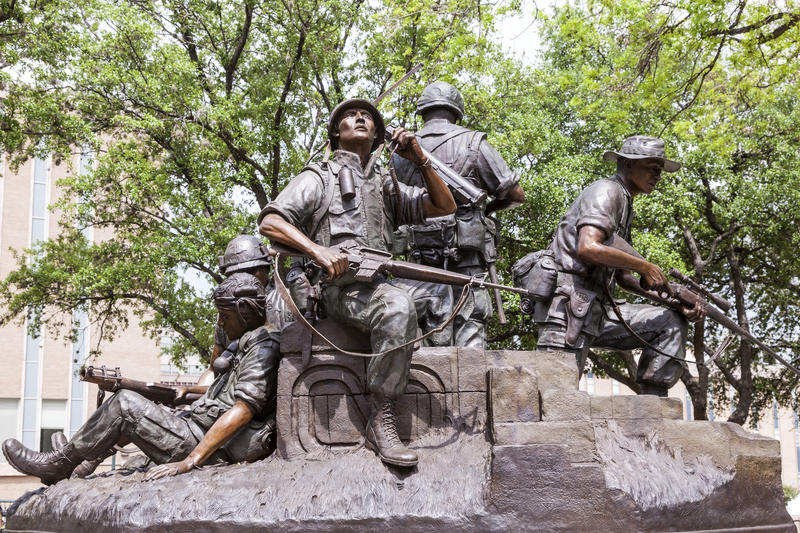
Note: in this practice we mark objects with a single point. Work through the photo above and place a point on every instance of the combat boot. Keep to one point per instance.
(382, 436)
(49, 467)
(58, 440)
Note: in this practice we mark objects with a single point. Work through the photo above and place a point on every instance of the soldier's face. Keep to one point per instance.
(356, 127)
(231, 324)
(645, 175)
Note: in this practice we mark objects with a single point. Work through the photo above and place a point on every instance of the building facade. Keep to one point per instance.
(40, 392)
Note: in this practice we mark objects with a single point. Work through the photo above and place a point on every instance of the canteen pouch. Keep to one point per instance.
(536, 272)
(471, 230)
(253, 442)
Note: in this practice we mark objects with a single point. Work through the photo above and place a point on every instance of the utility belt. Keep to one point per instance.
(447, 240)
(540, 274)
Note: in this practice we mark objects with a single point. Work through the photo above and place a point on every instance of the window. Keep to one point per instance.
(9, 408)
(54, 418)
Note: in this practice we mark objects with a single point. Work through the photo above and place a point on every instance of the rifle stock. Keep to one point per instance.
(463, 191)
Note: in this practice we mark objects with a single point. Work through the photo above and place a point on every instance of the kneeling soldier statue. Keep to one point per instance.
(352, 200)
(587, 257)
(242, 396)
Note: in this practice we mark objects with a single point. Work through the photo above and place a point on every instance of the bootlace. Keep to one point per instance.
(389, 423)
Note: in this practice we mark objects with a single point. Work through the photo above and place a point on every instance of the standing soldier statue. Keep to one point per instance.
(352, 200)
(586, 258)
(463, 242)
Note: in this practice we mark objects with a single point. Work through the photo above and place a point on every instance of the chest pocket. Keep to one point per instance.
(344, 217)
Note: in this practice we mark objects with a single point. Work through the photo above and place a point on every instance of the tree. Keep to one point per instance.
(718, 81)
(196, 114)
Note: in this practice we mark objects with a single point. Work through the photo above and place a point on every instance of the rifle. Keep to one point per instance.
(109, 380)
(368, 263)
(696, 294)
(463, 191)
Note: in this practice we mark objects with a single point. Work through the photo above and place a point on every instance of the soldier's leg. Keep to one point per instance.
(434, 304)
(551, 338)
(161, 435)
(663, 328)
(471, 324)
(387, 313)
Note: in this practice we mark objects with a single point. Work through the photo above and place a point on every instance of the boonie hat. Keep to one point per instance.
(643, 147)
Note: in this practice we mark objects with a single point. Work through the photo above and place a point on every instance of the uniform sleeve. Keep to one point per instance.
(258, 373)
(407, 172)
(297, 202)
(408, 205)
(601, 205)
(497, 177)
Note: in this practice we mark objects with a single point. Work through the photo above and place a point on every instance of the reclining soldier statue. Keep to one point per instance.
(242, 396)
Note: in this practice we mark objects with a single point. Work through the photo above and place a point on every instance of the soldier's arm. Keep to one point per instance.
(439, 201)
(592, 250)
(515, 197)
(277, 229)
(223, 429)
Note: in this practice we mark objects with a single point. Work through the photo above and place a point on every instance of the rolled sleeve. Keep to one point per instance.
(601, 205)
(258, 374)
(497, 177)
(297, 202)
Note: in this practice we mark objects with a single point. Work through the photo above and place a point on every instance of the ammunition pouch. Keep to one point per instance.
(471, 230)
(253, 442)
(579, 302)
(435, 243)
(537, 272)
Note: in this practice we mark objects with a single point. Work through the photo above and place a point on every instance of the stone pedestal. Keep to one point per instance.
(506, 442)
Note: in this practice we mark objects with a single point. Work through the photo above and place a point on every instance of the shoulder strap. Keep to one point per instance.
(327, 197)
(446, 137)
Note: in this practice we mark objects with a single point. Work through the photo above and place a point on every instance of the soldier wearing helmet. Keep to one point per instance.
(463, 242)
(352, 200)
(248, 254)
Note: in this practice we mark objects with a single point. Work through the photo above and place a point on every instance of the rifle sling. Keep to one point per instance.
(618, 312)
(287, 299)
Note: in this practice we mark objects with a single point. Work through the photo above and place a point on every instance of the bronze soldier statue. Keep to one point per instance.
(246, 253)
(211, 431)
(352, 200)
(463, 242)
(585, 265)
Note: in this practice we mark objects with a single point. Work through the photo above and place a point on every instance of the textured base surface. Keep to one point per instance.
(533, 454)
(322, 493)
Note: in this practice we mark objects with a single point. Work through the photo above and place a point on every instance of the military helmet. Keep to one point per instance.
(441, 94)
(335, 118)
(243, 253)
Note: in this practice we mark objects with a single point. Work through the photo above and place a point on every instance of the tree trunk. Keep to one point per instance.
(742, 411)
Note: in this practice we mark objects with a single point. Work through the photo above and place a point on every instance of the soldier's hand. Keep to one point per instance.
(170, 469)
(180, 393)
(695, 313)
(654, 279)
(336, 264)
(408, 146)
